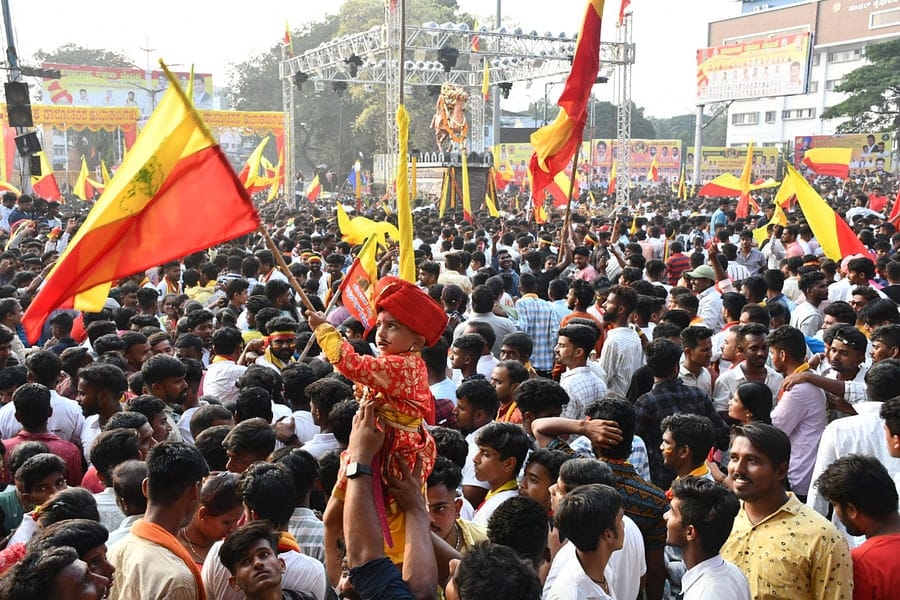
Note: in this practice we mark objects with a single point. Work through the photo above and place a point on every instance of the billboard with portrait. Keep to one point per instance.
(772, 66)
(82, 85)
(668, 153)
(871, 151)
(718, 160)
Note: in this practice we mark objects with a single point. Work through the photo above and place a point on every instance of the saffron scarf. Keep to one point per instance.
(156, 534)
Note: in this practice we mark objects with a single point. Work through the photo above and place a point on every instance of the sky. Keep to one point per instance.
(214, 34)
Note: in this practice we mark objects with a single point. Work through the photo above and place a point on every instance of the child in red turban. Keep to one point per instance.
(397, 381)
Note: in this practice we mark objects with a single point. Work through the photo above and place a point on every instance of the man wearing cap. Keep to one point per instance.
(703, 284)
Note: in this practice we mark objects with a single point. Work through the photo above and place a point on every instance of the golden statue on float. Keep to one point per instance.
(449, 121)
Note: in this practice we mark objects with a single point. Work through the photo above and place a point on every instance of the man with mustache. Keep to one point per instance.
(784, 548)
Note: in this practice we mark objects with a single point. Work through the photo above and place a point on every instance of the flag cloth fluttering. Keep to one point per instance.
(358, 285)
(356, 230)
(407, 257)
(5, 186)
(83, 189)
(682, 185)
(174, 179)
(832, 232)
(829, 161)
(561, 188)
(44, 184)
(611, 188)
(743, 207)
(288, 42)
(314, 189)
(555, 144)
(486, 81)
(249, 174)
(778, 218)
(475, 42)
(653, 175)
(622, 8)
(895, 210)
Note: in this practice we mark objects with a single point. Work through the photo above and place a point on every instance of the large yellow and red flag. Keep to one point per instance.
(561, 189)
(829, 161)
(358, 285)
(288, 42)
(174, 194)
(314, 189)
(475, 42)
(653, 175)
(832, 232)
(6, 186)
(83, 188)
(44, 183)
(555, 144)
(356, 230)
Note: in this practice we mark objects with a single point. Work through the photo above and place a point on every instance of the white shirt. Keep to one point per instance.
(807, 318)
(862, 433)
(320, 444)
(621, 356)
(468, 472)
(714, 578)
(89, 432)
(304, 427)
(710, 308)
(219, 380)
(584, 387)
(110, 514)
(729, 381)
(487, 508)
(572, 583)
(66, 421)
(302, 573)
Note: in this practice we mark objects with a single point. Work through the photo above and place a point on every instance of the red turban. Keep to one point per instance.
(412, 306)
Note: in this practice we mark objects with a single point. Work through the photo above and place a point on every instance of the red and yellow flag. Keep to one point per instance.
(83, 188)
(743, 207)
(682, 185)
(832, 232)
(561, 188)
(555, 144)
(44, 184)
(611, 189)
(249, 174)
(5, 186)
(486, 81)
(653, 175)
(174, 194)
(358, 285)
(288, 42)
(895, 210)
(829, 161)
(475, 42)
(314, 189)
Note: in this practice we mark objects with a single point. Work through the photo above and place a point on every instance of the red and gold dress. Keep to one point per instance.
(398, 383)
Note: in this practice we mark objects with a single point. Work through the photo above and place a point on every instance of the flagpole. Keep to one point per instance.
(566, 221)
(273, 247)
(312, 338)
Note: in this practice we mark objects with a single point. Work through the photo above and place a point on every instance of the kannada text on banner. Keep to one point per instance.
(776, 66)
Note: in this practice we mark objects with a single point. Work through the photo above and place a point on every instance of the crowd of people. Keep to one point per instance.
(658, 400)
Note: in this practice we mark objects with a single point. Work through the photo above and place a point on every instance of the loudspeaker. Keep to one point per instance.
(28, 144)
(18, 104)
(34, 165)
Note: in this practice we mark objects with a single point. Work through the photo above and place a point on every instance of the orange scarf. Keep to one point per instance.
(156, 534)
(286, 542)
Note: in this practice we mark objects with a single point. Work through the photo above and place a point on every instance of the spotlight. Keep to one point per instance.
(299, 78)
(353, 63)
(447, 56)
(505, 87)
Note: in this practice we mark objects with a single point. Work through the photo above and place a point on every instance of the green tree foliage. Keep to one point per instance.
(874, 92)
(73, 54)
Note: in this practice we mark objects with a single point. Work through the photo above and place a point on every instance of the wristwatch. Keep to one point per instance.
(356, 469)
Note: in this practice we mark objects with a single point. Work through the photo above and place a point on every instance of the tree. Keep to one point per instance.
(874, 88)
(73, 54)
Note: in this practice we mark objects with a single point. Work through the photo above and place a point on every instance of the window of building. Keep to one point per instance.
(750, 118)
(817, 57)
(798, 113)
(884, 18)
(845, 55)
(832, 84)
(770, 116)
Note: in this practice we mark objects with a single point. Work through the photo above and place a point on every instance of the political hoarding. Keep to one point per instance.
(718, 160)
(767, 67)
(871, 152)
(82, 85)
(667, 153)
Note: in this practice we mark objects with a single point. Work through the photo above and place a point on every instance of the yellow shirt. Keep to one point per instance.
(793, 553)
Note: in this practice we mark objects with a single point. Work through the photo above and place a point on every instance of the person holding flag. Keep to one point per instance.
(408, 319)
